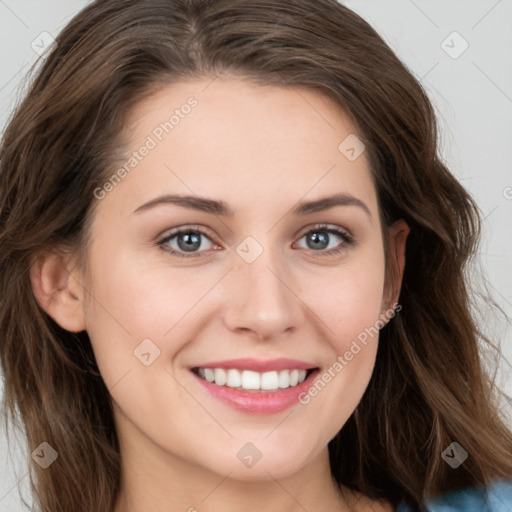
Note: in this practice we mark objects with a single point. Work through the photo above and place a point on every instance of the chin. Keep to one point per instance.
(273, 463)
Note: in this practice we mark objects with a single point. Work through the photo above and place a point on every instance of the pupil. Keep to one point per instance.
(320, 239)
(189, 241)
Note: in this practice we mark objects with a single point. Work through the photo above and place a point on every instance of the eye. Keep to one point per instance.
(185, 242)
(188, 242)
(323, 237)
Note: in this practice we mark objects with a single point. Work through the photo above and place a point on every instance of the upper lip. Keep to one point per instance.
(259, 365)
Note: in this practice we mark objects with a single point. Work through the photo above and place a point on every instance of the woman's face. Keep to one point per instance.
(247, 289)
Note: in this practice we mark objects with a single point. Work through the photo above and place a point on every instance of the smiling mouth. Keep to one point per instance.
(252, 381)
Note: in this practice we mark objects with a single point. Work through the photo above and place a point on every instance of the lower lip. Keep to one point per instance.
(258, 402)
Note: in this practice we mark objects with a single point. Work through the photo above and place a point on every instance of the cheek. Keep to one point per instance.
(145, 297)
(133, 300)
(350, 299)
(350, 311)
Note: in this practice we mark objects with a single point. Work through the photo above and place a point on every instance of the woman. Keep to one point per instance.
(233, 270)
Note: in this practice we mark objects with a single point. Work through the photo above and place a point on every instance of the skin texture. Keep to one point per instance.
(260, 149)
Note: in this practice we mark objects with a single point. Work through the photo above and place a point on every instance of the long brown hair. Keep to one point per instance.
(428, 387)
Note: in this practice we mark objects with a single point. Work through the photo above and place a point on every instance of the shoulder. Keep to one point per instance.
(495, 498)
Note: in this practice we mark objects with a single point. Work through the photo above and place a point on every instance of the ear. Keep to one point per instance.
(57, 290)
(398, 233)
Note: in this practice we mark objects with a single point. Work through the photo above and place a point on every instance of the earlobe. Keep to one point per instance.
(57, 291)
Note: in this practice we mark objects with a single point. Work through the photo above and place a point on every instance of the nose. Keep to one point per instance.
(261, 299)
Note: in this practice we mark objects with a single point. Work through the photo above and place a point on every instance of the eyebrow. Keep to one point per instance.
(221, 208)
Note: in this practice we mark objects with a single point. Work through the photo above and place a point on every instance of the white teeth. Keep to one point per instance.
(250, 380)
(234, 379)
(294, 377)
(269, 381)
(220, 376)
(284, 379)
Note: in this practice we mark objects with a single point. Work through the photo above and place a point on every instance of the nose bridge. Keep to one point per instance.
(263, 300)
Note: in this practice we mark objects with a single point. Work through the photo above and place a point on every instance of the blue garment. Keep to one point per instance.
(496, 498)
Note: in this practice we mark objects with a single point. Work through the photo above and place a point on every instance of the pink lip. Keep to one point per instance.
(258, 365)
(258, 402)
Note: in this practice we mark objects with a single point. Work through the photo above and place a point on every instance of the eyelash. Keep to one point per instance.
(347, 240)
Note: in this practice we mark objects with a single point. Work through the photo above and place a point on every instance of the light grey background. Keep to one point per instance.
(472, 94)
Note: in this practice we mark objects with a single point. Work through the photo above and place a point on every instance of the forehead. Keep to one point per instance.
(240, 141)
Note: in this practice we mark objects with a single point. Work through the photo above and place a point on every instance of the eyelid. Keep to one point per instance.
(169, 233)
(326, 227)
(195, 228)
